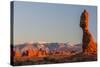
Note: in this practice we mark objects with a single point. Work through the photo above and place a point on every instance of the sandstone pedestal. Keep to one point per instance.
(88, 44)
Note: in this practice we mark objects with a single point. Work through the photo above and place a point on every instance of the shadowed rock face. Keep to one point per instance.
(88, 43)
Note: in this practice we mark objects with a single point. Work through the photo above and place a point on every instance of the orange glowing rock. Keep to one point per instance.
(17, 54)
(88, 43)
(32, 53)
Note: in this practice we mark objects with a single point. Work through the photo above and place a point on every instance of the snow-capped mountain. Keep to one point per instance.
(50, 46)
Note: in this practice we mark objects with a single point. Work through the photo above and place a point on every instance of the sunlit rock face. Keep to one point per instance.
(88, 44)
(17, 54)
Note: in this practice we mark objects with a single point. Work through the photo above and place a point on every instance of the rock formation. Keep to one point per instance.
(17, 54)
(88, 44)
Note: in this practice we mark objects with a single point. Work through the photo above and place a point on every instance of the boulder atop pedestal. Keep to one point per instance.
(89, 46)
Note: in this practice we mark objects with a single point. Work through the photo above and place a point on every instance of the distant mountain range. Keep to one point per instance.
(50, 46)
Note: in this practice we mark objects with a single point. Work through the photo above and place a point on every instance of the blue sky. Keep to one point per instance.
(51, 22)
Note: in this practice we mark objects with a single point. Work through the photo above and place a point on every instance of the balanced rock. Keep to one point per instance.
(88, 44)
